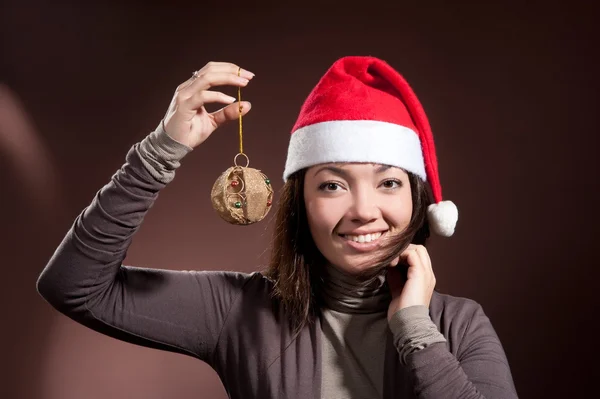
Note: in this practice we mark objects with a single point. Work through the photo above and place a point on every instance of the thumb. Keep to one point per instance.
(231, 112)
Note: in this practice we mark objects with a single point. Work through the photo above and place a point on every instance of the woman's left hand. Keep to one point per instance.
(418, 286)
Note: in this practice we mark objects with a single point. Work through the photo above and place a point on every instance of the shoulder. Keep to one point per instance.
(234, 279)
(449, 310)
(251, 284)
(453, 305)
(255, 303)
(459, 319)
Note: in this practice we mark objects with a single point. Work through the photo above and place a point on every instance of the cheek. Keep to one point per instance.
(400, 211)
(322, 219)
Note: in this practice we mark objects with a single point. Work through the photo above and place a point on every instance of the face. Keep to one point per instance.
(353, 207)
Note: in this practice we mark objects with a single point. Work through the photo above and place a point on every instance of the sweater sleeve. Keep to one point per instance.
(413, 330)
(479, 370)
(177, 311)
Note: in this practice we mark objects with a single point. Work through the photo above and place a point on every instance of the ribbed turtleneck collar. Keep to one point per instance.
(343, 293)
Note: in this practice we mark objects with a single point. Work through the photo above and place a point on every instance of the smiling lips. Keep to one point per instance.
(363, 237)
(363, 242)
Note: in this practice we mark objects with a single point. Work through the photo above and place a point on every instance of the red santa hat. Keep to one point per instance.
(362, 110)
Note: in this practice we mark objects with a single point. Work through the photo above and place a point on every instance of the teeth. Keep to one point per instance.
(364, 238)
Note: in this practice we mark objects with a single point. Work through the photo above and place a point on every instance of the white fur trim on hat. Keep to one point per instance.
(355, 141)
(442, 217)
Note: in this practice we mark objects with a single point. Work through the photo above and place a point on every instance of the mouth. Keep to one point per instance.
(363, 242)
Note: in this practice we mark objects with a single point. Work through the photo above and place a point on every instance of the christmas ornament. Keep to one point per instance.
(242, 195)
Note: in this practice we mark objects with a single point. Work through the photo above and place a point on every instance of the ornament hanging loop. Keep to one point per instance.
(245, 156)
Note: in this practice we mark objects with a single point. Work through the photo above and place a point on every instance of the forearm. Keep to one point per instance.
(479, 371)
(436, 372)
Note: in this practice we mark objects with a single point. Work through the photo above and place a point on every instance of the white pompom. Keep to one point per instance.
(443, 217)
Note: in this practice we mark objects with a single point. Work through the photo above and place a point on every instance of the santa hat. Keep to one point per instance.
(362, 110)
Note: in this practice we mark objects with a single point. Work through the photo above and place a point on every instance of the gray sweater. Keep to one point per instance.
(447, 351)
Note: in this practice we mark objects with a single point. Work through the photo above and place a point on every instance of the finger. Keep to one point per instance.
(413, 260)
(203, 97)
(230, 112)
(411, 250)
(426, 261)
(208, 80)
(395, 261)
(211, 67)
(424, 255)
(227, 67)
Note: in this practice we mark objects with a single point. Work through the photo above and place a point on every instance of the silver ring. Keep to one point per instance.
(195, 75)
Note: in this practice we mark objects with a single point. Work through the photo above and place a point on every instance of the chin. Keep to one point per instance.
(355, 266)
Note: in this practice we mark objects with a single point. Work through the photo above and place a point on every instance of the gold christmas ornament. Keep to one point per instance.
(242, 195)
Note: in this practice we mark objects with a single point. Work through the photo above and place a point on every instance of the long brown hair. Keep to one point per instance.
(296, 265)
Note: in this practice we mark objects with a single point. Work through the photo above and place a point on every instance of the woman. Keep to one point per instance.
(347, 307)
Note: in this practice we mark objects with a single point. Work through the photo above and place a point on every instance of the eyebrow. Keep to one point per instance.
(344, 174)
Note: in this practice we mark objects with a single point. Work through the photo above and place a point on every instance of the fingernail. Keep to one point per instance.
(243, 80)
(247, 74)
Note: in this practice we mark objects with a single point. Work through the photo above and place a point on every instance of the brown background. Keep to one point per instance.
(512, 94)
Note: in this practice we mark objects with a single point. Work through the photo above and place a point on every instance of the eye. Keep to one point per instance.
(392, 184)
(330, 186)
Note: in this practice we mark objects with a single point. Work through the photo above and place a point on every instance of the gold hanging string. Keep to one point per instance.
(240, 103)
(241, 134)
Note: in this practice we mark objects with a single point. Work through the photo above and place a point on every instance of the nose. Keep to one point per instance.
(364, 207)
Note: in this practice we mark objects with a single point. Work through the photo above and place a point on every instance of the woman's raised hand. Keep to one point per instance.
(187, 121)
(417, 288)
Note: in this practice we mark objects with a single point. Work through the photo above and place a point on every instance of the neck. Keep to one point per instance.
(345, 293)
